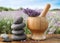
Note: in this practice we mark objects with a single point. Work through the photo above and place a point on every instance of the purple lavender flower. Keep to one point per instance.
(31, 12)
(58, 24)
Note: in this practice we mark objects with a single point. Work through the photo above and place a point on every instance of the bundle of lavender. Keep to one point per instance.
(30, 12)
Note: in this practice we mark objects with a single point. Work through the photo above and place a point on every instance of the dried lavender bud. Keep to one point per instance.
(31, 13)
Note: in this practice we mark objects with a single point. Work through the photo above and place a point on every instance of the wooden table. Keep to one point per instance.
(52, 38)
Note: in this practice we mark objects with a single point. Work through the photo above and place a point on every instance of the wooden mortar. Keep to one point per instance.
(38, 25)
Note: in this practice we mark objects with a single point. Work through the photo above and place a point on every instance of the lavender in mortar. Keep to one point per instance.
(31, 12)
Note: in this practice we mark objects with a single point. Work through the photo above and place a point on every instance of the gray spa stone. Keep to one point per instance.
(18, 21)
(17, 38)
(19, 32)
(18, 26)
(18, 29)
(7, 40)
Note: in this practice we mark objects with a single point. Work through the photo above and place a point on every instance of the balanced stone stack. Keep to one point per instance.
(18, 30)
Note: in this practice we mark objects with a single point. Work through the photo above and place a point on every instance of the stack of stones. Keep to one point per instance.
(17, 30)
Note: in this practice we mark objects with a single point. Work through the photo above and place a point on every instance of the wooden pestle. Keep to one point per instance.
(45, 10)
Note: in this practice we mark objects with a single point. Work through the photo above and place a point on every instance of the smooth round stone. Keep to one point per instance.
(7, 40)
(17, 38)
(19, 32)
(18, 26)
(18, 21)
(18, 29)
(4, 36)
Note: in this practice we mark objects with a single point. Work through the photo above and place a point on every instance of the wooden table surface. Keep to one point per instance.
(52, 38)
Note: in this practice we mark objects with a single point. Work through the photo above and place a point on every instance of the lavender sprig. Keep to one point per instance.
(31, 12)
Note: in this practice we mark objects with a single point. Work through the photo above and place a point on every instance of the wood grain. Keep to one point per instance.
(52, 38)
